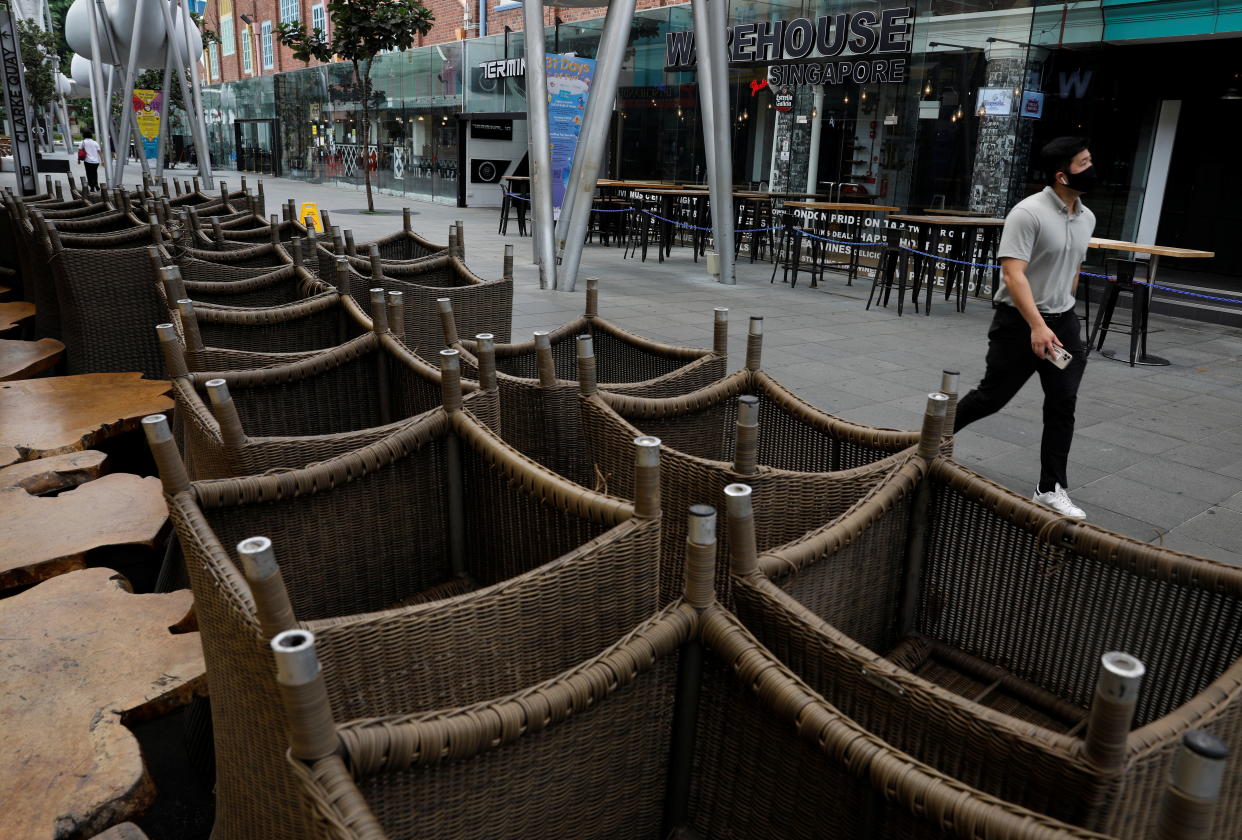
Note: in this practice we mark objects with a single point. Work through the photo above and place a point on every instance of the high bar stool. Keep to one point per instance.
(1121, 276)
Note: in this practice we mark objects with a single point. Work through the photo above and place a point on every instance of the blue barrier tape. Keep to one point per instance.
(810, 235)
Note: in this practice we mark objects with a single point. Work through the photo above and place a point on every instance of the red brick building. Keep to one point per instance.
(248, 45)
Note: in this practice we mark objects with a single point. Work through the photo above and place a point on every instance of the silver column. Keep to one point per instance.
(817, 129)
(717, 24)
(102, 109)
(707, 112)
(542, 226)
(197, 119)
(593, 143)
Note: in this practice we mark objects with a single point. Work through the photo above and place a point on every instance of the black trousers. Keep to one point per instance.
(92, 175)
(1010, 364)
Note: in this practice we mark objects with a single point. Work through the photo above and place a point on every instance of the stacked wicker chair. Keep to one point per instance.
(437, 566)
(480, 305)
(313, 408)
(1005, 645)
(404, 246)
(683, 727)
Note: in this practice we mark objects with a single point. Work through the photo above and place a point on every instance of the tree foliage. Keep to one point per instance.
(38, 49)
(361, 29)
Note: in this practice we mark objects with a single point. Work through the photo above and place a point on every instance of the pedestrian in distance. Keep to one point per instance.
(1035, 330)
(88, 153)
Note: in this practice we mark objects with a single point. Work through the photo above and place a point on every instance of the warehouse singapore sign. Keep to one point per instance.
(861, 47)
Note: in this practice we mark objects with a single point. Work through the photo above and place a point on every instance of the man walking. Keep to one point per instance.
(1041, 251)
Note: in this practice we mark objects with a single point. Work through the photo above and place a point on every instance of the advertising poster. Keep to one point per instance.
(148, 105)
(569, 82)
(996, 102)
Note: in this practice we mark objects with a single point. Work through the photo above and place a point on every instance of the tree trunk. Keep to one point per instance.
(365, 92)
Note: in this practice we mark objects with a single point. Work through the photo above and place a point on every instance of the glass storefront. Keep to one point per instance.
(985, 84)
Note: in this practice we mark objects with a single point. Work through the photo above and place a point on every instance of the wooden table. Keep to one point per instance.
(1156, 252)
(942, 211)
(792, 234)
(669, 210)
(24, 359)
(81, 658)
(40, 417)
(928, 234)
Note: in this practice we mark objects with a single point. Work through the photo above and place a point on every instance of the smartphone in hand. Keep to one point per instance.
(1059, 356)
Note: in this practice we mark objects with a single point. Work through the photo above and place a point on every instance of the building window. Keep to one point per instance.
(228, 41)
(290, 11)
(265, 36)
(213, 60)
(247, 51)
(319, 20)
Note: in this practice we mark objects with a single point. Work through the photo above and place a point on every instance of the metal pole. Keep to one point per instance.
(103, 108)
(540, 144)
(167, 94)
(198, 126)
(593, 144)
(817, 128)
(717, 22)
(707, 113)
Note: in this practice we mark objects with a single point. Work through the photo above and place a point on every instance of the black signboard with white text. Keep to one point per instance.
(863, 47)
(491, 129)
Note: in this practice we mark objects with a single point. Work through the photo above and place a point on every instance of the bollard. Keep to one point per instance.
(267, 586)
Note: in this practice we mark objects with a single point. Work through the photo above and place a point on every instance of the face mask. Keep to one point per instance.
(1083, 181)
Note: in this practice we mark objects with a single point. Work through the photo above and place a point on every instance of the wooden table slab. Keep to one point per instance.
(24, 359)
(45, 536)
(80, 657)
(1156, 250)
(51, 475)
(41, 417)
(13, 313)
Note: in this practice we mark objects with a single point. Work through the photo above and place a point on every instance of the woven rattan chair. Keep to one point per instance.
(982, 633)
(311, 409)
(438, 568)
(479, 305)
(809, 465)
(405, 246)
(608, 748)
(214, 284)
(106, 303)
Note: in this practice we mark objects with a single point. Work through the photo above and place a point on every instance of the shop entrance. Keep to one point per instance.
(257, 144)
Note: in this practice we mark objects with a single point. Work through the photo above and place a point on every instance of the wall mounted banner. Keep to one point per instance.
(148, 109)
(862, 47)
(569, 82)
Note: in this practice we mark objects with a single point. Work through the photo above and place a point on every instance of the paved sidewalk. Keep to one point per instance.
(1157, 454)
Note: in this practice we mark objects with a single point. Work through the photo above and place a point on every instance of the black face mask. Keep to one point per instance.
(1084, 181)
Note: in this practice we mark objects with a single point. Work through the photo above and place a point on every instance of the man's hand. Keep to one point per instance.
(1043, 340)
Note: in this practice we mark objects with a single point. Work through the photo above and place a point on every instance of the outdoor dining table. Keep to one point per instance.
(1156, 252)
(793, 234)
(929, 234)
(673, 211)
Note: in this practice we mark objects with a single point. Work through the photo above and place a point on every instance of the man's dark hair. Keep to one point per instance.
(87, 134)
(1058, 154)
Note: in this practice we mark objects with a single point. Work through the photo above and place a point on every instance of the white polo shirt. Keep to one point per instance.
(1052, 241)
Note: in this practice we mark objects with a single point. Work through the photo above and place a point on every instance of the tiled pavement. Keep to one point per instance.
(1158, 451)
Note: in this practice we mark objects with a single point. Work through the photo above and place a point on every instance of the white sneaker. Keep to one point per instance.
(1059, 500)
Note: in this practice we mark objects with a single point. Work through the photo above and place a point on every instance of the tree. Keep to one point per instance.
(361, 30)
(38, 49)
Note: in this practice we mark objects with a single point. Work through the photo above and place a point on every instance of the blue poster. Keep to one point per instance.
(569, 82)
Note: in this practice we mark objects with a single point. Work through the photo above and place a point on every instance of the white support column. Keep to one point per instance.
(717, 20)
(102, 109)
(166, 92)
(707, 113)
(128, 121)
(593, 143)
(542, 225)
(198, 119)
(1158, 170)
(817, 128)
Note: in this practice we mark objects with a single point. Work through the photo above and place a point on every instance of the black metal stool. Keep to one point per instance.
(1121, 275)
